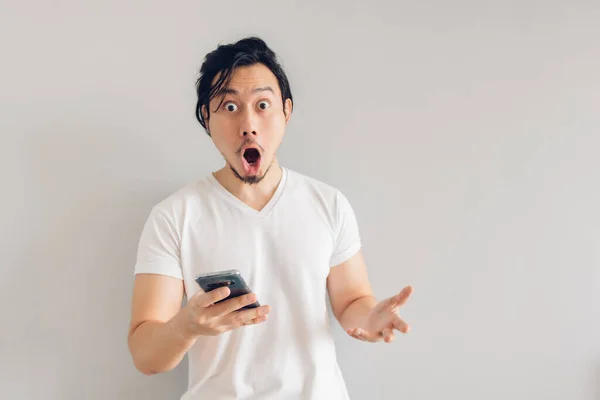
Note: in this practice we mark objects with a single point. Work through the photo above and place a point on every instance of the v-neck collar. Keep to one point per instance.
(245, 207)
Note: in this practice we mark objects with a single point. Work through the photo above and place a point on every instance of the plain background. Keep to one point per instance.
(465, 134)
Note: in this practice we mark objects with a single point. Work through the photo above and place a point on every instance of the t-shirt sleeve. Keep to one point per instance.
(159, 247)
(346, 233)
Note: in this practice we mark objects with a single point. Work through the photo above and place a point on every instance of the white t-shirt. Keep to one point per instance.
(284, 252)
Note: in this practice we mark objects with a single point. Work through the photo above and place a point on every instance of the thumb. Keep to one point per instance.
(401, 298)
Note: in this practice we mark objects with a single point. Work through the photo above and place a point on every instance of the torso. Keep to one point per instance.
(284, 253)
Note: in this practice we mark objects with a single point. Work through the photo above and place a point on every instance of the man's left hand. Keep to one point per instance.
(383, 320)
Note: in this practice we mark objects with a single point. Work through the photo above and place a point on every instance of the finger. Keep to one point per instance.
(233, 304)
(365, 335)
(400, 325)
(257, 320)
(243, 317)
(401, 298)
(388, 335)
(354, 334)
(206, 299)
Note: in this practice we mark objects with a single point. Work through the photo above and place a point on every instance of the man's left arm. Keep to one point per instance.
(355, 307)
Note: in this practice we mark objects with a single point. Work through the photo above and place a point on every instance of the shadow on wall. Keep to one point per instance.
(92, 194)
(597, 383)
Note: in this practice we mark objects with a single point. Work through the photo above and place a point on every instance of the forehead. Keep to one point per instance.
(246, 79)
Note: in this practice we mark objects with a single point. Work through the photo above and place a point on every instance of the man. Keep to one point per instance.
(294, 239)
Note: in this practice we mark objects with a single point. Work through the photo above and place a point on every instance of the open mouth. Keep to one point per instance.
(252, 156)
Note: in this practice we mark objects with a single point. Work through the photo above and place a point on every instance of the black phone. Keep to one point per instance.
(231, 278)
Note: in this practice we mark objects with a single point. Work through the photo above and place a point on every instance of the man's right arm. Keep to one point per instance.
(154, 341)
(161, 331)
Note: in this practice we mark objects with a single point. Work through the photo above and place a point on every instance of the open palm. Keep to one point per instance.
(383, 319)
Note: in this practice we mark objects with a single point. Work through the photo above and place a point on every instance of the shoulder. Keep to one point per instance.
(329, 196)
(182, 202)
(301, 182)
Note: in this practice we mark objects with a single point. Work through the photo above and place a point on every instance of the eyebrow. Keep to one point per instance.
(260, 89)
(264, 89)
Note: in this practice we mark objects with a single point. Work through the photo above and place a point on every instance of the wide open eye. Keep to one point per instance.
(263, 105)
(231, 107)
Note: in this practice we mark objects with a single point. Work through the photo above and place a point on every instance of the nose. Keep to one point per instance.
(248, 125)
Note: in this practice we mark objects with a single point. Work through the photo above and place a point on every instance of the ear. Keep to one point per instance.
(205, 116)
(288, 110)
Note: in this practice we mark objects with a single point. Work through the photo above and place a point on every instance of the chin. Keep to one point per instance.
(251, 178)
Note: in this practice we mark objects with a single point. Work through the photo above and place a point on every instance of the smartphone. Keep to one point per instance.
(230, 278)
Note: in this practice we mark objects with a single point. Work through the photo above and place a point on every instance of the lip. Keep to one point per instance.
(250, 169)
(249, 146)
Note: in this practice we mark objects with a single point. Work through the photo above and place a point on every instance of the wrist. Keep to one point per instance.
(179, 328)
(357, 312)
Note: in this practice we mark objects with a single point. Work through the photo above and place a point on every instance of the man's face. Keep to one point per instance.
(249, 125)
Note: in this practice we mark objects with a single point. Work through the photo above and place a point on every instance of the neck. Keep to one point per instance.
(255, 195)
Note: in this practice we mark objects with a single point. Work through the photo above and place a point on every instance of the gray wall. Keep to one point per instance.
(465, 135)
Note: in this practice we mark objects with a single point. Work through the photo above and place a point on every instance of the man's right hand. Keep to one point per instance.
(202, 317)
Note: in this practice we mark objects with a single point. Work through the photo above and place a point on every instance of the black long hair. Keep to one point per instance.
(224, 60)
